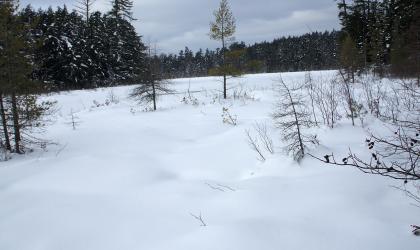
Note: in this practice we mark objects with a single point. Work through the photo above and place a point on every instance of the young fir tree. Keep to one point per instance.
(223, 29)
(292, 118)
(152, 84)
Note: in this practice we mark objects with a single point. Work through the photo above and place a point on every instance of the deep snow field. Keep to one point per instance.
(127, 179)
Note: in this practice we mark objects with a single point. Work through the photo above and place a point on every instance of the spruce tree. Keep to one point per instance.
(126, 50)
(122, 9)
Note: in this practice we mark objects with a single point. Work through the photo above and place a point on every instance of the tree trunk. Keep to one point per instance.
(224, 66)
(351, 109)
(302, 147)
(154, 96)
(224, 86)
(4, 124)
(16, 125)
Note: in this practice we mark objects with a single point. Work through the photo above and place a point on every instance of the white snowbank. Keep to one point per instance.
(127, 179)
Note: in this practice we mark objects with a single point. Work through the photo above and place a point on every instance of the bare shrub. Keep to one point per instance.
(228, 118)
(373, 94)
(112, 98)
(261, 142)
(348, 94)
(74, 120)
(242, 94)
(254, 144)
(310, 88)
(325, 94)
(395, 155)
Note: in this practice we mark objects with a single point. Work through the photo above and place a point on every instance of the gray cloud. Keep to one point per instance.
(172, 25)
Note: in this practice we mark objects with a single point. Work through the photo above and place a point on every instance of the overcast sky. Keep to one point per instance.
(174, 24)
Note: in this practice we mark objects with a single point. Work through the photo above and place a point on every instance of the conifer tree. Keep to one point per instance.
(292, 118)
(350, 58)
(223, 29)
(126, 50)
(5, 10)
(152, 84)
(122, 9)
(24, 111)
(84, 7)
(14, 67)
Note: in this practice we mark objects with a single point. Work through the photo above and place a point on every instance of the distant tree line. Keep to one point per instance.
(77, 49)
(312, 51)
(383, 35)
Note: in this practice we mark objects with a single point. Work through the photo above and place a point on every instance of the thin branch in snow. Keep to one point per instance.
(215, 188)
(199, 218)
(253, 143)
(60, 150)
(226, 187)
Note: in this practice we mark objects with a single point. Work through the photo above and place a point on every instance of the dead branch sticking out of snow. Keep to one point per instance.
(199, 218)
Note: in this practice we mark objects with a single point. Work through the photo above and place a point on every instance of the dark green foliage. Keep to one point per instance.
(314, 51)
(151, 85)
(384, 32)
(73, 52)
(121, 9)
(20, 111)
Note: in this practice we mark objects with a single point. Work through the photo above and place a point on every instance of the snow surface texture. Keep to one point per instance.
(129, 179)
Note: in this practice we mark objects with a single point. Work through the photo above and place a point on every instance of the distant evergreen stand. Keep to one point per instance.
(78, 51)
(312, 51)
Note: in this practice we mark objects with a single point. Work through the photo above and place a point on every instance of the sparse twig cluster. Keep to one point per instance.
(395, 156)
(228, 118)
(242, 94)
(262, 142)
(324, 97)
(74, 120)
(200, 219)
(189, 98)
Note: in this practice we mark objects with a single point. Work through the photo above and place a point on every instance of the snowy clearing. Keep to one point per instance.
(129, 179)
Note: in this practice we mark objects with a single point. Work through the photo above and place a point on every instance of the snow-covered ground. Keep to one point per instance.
(128, 179)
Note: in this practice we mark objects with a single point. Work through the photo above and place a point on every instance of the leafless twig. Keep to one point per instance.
(215, 188)
(199, 218)
(253, 143)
